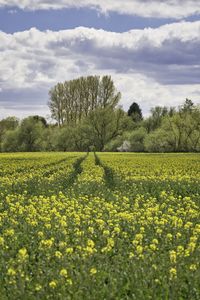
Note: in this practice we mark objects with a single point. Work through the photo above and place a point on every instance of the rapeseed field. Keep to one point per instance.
(99, 226)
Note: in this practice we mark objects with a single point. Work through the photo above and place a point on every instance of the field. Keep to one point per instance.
(99, 226)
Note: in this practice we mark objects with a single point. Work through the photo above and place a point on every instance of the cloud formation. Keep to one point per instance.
(148, 64)
(176, 9)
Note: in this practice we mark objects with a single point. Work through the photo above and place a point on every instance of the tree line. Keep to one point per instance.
(87, 117)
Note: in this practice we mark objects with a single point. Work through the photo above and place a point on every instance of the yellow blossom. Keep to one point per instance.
(172, 274)
(93, 271)
(63, 273)
(53, 284)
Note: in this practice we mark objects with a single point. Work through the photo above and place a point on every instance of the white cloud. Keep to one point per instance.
(153, 66)
(149, 93)
(23, 111)
(147, 8)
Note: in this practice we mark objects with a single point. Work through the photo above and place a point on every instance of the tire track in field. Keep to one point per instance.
(77, 170)
(64, 183)
(109, 174)
(22, 170)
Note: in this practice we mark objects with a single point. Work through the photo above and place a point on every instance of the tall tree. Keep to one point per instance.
(135, 112)
(56, 103)
(72, 100)
(108, 96)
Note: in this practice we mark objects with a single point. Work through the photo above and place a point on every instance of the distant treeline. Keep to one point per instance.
(87, 117)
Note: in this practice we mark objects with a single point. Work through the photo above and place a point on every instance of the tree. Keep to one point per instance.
(73, 100)
(30, 135)
(136, 139)
(187, 106)
(48, 138)
(56, 104)
(66, 139)
(179, 132)
(103, 125)
(10, 141)
(158, 113)
(40, 119)
(135, 112)
(159, 141)
(184, 127)
(108, 96)
(10, 123)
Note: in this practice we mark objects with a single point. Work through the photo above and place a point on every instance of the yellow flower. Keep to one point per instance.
(1, 241)
(22, 254)
(9, 232)
(139, 249)
(69, 250)
(169, 236)
(131, 255)
(155, 241)
(139, 237)
(91, 229)
(63, 273)
(159, 231)
(153, 247)
(47, 243)
(58, 254)
(178, 235)
(106, 232)
(38, 287)
(180, 250)
(172, 255)
(188, 225)
(191, 247)
(117, 230)
(48, 225)
(193, 267)
(172, 274)
(93, 271)
(53, 284)
(11, 272)
(90, 243)
(40, 234)
(62, 245)
(69, 281)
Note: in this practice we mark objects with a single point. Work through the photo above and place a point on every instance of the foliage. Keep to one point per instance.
(73, 100)
(157, 114)
(105, 126)
(136, 139)
(10, 123)
(30, 134)
(177, 133)
(135, 112)
(10, 141)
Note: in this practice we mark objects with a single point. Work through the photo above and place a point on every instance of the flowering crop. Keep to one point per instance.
(70, 230)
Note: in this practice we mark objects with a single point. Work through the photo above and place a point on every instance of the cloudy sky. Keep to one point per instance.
(151, 48)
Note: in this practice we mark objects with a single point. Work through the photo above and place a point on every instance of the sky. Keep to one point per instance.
(151, 48)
